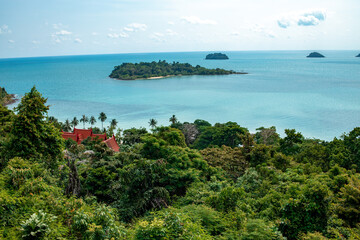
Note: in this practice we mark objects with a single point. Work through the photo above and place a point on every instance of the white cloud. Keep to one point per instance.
(4, 29)
(308, 18)
(171, 23)
(128, 29)
(197, 20)
(57, 25)
(35, 42)
(171, 32)
(77, 40)
(235, 33)
(158, 37)
(63, 33)
(137, 26)
(11, 41)
(263, 31)
(94, 33)
(118, 35)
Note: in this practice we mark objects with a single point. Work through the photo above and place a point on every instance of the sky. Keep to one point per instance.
(31, 28)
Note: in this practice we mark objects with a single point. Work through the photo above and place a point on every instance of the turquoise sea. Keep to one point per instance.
(318, 97)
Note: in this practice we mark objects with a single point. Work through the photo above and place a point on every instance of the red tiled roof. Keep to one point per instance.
(84, 132)
(101, 136)
(81, 134)
(111, 143)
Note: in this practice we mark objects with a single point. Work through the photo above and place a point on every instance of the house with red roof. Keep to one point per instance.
(79, 135)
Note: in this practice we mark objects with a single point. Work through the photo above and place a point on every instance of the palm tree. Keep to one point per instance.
(152, 123)
(102, 118)
(173, 119)
(113, 123)
(74, 122)
(84, 120)
(92, 120)
(67, 126)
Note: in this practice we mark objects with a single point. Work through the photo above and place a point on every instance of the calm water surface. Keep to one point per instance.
(318, 97)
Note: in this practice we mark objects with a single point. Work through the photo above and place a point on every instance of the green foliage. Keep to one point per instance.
(131, 71)
(349, 203)
(165, 189)
(226, 200)
(133, 135)
(97, 226)
(170, 225)
(37, 226)
(267, 136)
(352, 143)
(231, 160)
(228, 134)
(289, 145)
(258, 229)
(31, 135)
(259, 154)
(172, 136)
(308, 213)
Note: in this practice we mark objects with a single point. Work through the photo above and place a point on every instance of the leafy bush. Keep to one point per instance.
(37, 226)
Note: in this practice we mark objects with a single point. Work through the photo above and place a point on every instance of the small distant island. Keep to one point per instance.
(216, 56)
(315, 55)
(162, 69)
(358, 55)
(5, 98)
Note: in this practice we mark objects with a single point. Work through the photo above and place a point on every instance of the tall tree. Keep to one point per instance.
(32, 137)
(173, 119)
(74, 122)
(84, 119)
(113, 123)
(152, 123)
(92, 120)
(67, 126)
(102, 118)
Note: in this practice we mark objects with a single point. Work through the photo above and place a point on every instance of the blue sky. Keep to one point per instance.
(72, 27)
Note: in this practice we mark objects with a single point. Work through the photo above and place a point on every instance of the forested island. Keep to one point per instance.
(5, 98)
(187, 180)
(315, 55)
(216, 56)
(160, 69)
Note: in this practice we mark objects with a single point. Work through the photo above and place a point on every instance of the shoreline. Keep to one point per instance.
(169, 76)
(10, 100)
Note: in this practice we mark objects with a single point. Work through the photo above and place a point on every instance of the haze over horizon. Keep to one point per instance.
(39, 28)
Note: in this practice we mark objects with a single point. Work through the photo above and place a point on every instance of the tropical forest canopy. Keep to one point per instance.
(142, 70)
(188, 180)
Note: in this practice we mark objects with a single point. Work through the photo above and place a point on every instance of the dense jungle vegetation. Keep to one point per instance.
(143, 70)
(182, 181)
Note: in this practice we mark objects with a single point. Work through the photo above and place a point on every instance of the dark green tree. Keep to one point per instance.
(289, 145)
(84, 119)
(102, 118)
(92, 120)
(113, 123)
(152, 123)
(67, 126)
(32, 137)
(74, 122)
(173, 119)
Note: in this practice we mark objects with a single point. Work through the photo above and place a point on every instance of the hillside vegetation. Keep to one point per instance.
(183, 181)
(143, 70)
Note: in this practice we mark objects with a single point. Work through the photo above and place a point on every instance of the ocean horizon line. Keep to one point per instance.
(200, 51)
